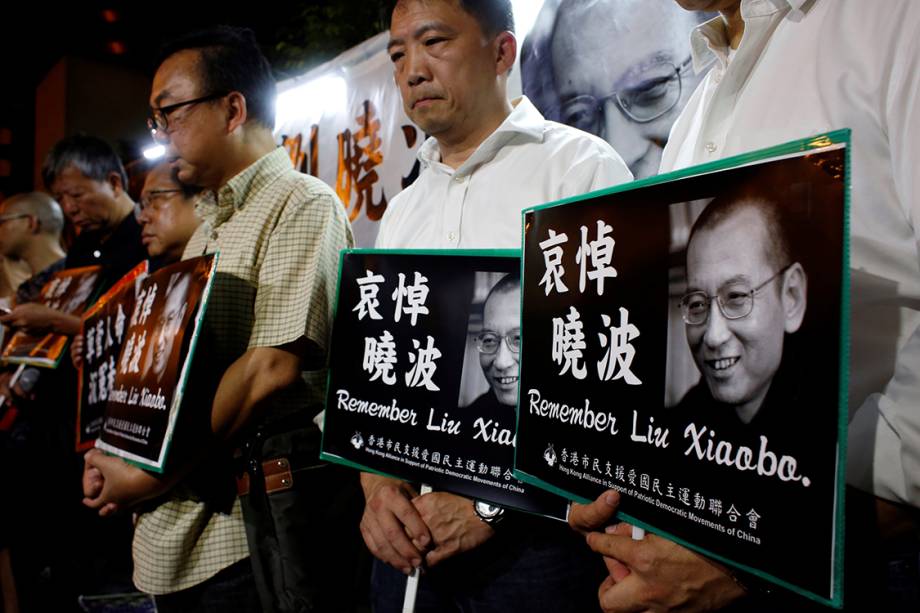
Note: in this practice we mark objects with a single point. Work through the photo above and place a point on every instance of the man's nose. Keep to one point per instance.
(717, 332)
(623, 134)
(504, 357)
(416, 67)
(68, 205)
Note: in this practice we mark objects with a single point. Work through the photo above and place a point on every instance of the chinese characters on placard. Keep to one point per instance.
(698, 506)
(594, 258)
(455, 465)
(100, 346)
(381, 353)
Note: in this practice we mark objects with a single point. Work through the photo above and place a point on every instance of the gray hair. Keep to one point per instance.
(92, 156)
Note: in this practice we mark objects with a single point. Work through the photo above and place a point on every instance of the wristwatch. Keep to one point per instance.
(489, 513)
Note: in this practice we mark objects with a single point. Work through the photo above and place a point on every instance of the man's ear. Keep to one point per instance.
(114, 181)
(794, 297)
(505, 45)
(237, 111)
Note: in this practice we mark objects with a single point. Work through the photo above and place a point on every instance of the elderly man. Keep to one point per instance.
(781, 71)
(88, 180)
(499, 346)
(168, 328)
(621, 70)
(167, 215)
(487, 159)
(745, 293)
(30, 230)
(262, 379)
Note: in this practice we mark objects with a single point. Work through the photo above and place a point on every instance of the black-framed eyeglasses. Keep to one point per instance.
(488, 342)
(735, 300)
(657, 93)
(154, 195)
(6, 218)
(158, 122)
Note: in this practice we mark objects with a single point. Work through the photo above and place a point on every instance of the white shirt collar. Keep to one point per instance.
(709, 40)
(525, 121)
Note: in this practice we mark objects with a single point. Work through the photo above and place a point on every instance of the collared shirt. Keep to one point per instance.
(526, 161)
(279, 233)
(805, 68)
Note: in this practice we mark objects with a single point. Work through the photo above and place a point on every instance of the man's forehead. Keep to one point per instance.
(502, 304)
(732, 248)
(413, 18)
(177, 77)
(159, 177)
(614, 41)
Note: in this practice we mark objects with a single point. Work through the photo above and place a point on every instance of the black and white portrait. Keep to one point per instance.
(619, 69)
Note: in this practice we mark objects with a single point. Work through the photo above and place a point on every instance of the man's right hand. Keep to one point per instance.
(391, 526)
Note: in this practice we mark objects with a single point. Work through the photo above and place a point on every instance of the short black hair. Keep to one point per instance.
(92, 156)
(493, 16)
(507, 284)
(780, 230)
(230, 60)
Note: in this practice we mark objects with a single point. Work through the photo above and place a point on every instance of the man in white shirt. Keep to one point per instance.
(783, 70)
(486, 160)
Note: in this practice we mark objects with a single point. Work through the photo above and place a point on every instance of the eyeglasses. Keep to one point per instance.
(151, 198)
(657, 93)
(735, 301)
(158, 122)
(6, 218)
(489, 342)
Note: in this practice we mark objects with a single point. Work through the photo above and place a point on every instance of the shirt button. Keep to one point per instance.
(451, 236)
(711, 147)
(459, 178)
(214, 235)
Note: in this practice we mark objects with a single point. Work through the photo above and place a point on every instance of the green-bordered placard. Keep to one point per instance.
(148, 379)
(685, 342)
(424, 370)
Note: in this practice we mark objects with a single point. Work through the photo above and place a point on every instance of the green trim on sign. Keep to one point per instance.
(796, 146)
(500, 253)
(822, 141)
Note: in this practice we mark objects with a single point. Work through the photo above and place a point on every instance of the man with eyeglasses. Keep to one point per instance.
(89, 181)
(167, 215)
(745, 295)
(83, 555)
(619, 69)
(260, 379)
(30, 230)
(499, 346)
(779, 71)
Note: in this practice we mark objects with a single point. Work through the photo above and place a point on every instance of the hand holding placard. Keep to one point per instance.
(392, 527)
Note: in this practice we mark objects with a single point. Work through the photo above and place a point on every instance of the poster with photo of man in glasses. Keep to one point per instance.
(147, 377)
(619, 69)
(684, 343)
(424, 372)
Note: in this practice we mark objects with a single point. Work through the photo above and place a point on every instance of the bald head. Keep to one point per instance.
(40, 206)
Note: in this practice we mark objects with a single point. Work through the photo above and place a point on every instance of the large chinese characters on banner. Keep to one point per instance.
(602, 66)
(345, 124)
(683, 343)
(424, 372)
(152, 366)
